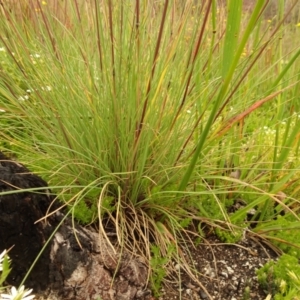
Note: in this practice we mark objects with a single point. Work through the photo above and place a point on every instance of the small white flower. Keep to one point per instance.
(46, 88)
(2, 49)
(2, 259)
(284, 62)
(18, 294)
(188, 111)
(36, 55)
(2, 110)
(26, 97)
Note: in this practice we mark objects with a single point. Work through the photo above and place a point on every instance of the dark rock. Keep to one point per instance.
(18, 214)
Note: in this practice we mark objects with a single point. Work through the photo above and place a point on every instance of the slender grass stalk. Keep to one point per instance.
(227, 76)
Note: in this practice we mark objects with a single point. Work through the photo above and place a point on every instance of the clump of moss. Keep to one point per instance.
(278, 277)
(229, 236)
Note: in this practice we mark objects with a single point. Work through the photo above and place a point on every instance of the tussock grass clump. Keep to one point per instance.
(141, 113)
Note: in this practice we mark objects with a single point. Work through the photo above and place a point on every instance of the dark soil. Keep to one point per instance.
(228, 271)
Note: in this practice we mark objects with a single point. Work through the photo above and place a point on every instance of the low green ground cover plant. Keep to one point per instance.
(278, 279)
(155, 117)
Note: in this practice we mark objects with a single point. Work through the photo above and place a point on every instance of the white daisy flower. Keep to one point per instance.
(18, 294)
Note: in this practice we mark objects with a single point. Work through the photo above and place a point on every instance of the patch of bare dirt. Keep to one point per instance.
(228, 271)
